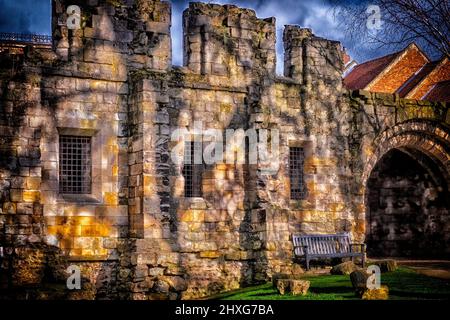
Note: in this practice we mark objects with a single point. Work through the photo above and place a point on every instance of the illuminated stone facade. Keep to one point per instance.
(136, 236)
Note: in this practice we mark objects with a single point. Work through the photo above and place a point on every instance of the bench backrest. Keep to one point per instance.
(326, 244)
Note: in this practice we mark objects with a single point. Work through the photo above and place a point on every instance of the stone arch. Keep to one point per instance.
(397, 214)
(430, 137)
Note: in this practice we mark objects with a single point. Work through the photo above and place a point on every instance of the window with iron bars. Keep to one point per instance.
(192, 172)
(75, 167)
(296, 174)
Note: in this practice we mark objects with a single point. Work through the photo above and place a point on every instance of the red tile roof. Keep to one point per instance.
(439, 92)
(364, 73)
(415, 79)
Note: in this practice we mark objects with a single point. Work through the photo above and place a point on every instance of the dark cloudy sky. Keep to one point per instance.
(33, 16)
(25, 16)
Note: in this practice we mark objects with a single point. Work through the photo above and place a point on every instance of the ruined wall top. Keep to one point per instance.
(221, 41)
(309, 58)
(227, 40)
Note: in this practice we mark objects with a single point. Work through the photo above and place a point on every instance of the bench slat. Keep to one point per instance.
(324, 244)
(320, 247)
(316, 245)
(330, 247)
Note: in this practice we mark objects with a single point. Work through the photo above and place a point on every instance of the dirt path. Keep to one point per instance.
(431, 268)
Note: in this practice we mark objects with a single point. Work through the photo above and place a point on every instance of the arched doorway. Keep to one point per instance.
(407, 206)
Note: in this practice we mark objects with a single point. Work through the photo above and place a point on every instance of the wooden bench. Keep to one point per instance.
(321, 246)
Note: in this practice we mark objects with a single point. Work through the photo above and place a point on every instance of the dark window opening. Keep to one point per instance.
(75, 165)
(192, 171)
(296, 174)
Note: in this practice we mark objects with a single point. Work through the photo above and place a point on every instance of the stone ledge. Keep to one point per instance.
(91, 258)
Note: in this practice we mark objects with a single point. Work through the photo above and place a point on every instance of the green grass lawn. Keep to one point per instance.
(403, 284)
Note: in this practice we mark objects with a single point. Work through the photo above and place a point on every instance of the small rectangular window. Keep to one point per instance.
(296, 176)
(75, 164)
(192, 171)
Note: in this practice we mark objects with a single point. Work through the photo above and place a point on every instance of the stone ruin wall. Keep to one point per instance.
(137, 236)
(401, 164)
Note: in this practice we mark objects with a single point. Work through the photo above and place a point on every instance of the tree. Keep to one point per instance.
(396, 23)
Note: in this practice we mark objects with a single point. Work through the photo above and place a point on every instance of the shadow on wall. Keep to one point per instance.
(46, 89)
(99, 83)
(43, 99)
(408, 207)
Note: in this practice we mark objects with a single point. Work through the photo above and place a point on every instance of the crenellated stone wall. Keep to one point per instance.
(136, 235)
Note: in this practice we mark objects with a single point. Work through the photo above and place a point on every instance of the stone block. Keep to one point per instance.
(176, 283)
(103, 27)
(359, 279)
(33, 183)
(110, 243)
(344, 268)
(31, 196)
(9, 208)
(162, 117)
(158, 27)
(161, 286)
(297, 269)
(146, 258)
(156, 271)
(235, 255)
(15, 195)
(381, 293)
(209, 254)
(219, 69)
(110, 198)
(24, 208)
(293, 286)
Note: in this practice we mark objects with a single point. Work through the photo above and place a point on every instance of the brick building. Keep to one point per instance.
(408, 72)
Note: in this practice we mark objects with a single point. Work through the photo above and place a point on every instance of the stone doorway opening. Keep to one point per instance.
(407, 207)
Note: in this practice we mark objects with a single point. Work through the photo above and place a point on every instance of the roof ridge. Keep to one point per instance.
(379, 58)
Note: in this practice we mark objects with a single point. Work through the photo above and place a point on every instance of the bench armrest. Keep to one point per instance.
(361, 245)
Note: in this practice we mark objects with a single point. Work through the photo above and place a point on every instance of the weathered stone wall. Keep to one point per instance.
(136, 235)
(80, 87)
(404, 202)
(408, 210)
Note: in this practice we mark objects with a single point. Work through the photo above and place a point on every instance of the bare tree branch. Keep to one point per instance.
(403, 21)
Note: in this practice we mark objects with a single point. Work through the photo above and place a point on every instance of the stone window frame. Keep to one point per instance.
(81, 170)
(308, 200)
(196, 190)
(297, 155)
(96, 171)
(186, 203)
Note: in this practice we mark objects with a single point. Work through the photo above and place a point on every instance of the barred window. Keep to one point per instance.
(74, 164)
(192, 172)
(296, 177)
